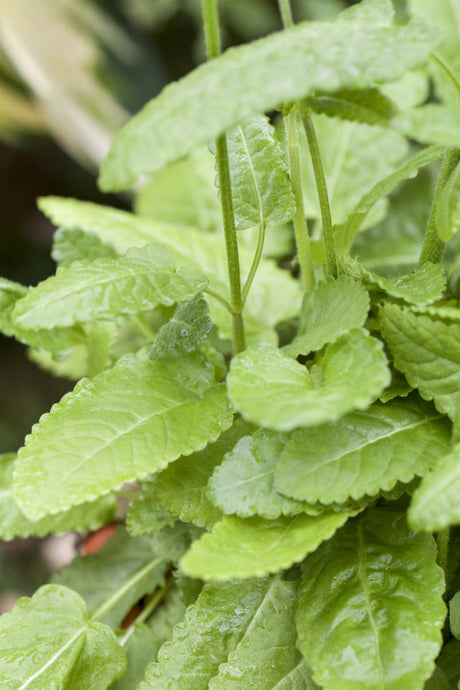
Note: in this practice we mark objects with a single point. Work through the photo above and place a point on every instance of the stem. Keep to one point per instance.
(140, 324)
(286, 13)
(442, 64)
(442, 539)
(323, 196)
(213, 47)
(255, 261)
(147, 610)
(219, 298)
(433, 246)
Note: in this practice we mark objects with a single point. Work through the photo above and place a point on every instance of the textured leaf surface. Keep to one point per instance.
(145, 515)
(50, 642)
(275, 295)
(254, 547)
(273, 390)
(74, 244)
(261, 189)
(435, 503)
(96, 576)
(427, 284)
(331, 309)
(184, 332)
(427, 351)
(244, 483)
(141, 646)
(370, 606)
(363, 452)
(370, 106)
(143, 415)
(14, 524)
(106, 288)
(258, 77)
(236, 635)
(447, 214)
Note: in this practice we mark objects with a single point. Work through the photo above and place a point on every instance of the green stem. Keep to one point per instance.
(442, 539)
(211, 30)
(286, 13)
(433, 246)
(147, 610)
(142, 327)
(323, 196)
(212, 293)
(255, 261)
(442, 64)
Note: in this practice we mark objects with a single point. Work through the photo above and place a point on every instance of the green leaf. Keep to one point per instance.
(261, 189)
(253, 547)
(427, 284)
(145, 515)
(243, 484)
(438, 681)
(370, 606)
(182, 487)
(427, 351)
(232, 638)
(454, 615)
(257, 77)
(63, 647)
(275, 295)
(430, 124)
(97, 576)
(14, 524)
(363, 453)
(331, 309)
(448, 662)
(105, 288)
(74, 244)
(273, 390)
(10, 293)
(435, 502)
(447, 211)
(140, 645)
(143, 415)
(184, 331)
(370, 106)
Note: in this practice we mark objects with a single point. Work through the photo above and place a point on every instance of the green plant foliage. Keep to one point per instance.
(174, 410)
(363, 453)
(184, 331)
(273, 390)
(448, 208)
(74, 244)
(66, 648)
(357, 593)
(370, 106)
(430, 124)
(140, 645)
(252, 78)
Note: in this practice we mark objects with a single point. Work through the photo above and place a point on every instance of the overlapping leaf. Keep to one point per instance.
(49, 641)
(273, 390)
(370, 106)
(254, 547)
(258, 77)
(447, 214)
(74, 244)
(184, 331)
(143, 415)
(370, 607)
(363, 452)
(432, 123)
(141, 646)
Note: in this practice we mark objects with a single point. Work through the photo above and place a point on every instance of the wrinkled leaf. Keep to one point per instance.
(145, 515)
(74, 244)
(370, 106)
(184, 331)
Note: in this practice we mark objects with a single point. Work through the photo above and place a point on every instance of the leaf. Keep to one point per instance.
(140, 645)
(182, 487)
(370, 606)
(105, 288)
(275, 295)
(447, 211)
(250, 79)
(10, 293)
(427, 284)
(432, 123)
(438, 681)
(448, 662)
(143, 416)
(97, 576)
(427, 351)
(435, 502)
(232, 638)
(145, 515)
(370, 106)
(74, 244)
(65, 648)
(14, 524)
(363, 453)
(454, 615)
(183, 332)
(330, 310)
(273, 390)
(243, 484)
(261, 189)
(253, 547)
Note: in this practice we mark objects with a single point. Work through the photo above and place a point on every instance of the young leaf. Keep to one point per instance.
(273, 390)
(184, 332)
(427, 284)
(370, 607)
(74, 244)
(427, 351)
(331, 309)
(143, 415)
(14, 524)
(255, 547)
(435, 503)
(105, 288)
(261, 188)
(64, 647)
(257, 77)
(447, 212)
(363, 452)
(145, 515)
(10, 293)
(370, 106)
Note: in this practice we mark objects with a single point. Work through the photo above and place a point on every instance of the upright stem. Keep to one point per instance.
(213, 48)
(433, 246)
(286, 13)
(323, 196)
